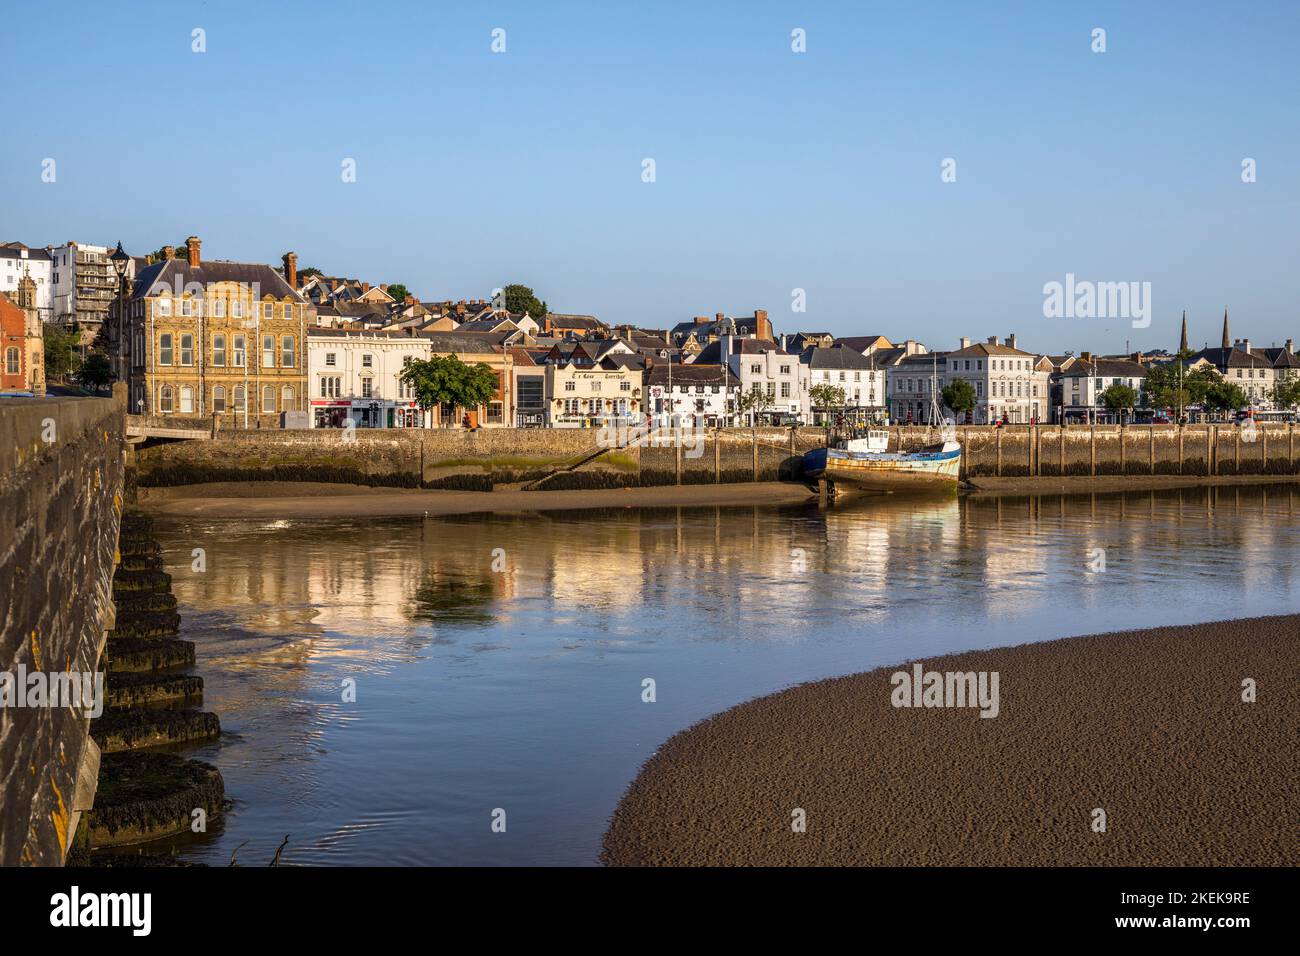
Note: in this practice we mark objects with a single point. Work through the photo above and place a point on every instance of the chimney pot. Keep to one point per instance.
(192, 245)
(993, 340)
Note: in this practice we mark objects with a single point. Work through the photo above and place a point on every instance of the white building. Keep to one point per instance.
(696, 395)
(17, 260)
(84, 283)
(761, 364)
(1085, 380)
(862, 380)
(356, 375)
(1010, 384)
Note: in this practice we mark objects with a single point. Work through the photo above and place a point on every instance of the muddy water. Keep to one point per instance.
(498, 662)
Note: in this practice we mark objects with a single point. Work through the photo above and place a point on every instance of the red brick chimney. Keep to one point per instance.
(192, 250)
(762, 327)
(291, 269)
(701, 319)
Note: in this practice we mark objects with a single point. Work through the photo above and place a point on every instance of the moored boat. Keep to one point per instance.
(868, 464)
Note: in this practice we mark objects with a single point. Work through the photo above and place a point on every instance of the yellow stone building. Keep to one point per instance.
(216, 338)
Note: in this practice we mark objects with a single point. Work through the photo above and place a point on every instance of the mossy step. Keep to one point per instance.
(147, 796)
(133, 690)
(128, 602)
(137, 545)
(140, 562)
(144, 624)
(129, 656)
(124, 580)
(121, 730)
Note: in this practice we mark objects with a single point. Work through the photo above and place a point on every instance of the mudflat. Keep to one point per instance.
(1126, 749)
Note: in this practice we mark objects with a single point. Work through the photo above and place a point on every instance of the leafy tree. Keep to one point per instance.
(96, 372)
(1286, 393)
(828, 396)
(446, 380)
(1199, 382)
(520, 298)
(754, 403)
(1224, 396)
(398, 291)
(959, 395)
(1119, 399)
(178, 251)
(61, 356)
(308, 273)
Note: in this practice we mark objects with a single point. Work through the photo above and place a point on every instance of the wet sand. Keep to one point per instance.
(271, 499)
(1148, 726)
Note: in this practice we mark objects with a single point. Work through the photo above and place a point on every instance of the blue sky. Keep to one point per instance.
(775, 170)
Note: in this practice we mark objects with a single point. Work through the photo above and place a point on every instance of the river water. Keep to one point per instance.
(499, 661)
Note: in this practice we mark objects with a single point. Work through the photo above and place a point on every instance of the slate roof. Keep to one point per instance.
(837, 357)
(174, 273)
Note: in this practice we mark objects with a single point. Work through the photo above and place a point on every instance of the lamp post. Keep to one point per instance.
(120, 261)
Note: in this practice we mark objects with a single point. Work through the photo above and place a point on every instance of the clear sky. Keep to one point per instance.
(774, 170)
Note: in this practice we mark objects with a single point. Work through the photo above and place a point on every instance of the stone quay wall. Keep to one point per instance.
(62, 463)
(583, 458)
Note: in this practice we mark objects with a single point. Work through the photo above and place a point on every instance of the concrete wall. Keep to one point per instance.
(482, 460)
(61, 469)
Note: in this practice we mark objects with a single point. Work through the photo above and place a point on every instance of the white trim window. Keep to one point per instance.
(165, 349)
(187, 348)
(268, 351)
(239, 357)
(163, 307)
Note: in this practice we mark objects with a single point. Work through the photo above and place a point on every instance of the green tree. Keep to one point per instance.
(178, 251)
(827, 396)
(520, 298)
(959, 395)
(96, 372)
(754, 403)
(398, 291)
(1198, 383)
(1286, 393)
(446, 380)
(61, 356)
(1119, 399)
(1224, 396)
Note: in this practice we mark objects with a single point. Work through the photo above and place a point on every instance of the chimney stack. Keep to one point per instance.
(965, 341)
(1288, 346)
(192, 250)
(993, 340)
(1011, 340)
(762, 327)
(1086, 356)
(365, 287)
(291, 269)
(168, 252)
(701, 319)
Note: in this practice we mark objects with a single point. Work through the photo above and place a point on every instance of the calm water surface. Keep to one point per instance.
(521, 689)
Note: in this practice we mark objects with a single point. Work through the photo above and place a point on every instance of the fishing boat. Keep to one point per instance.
(866, 463)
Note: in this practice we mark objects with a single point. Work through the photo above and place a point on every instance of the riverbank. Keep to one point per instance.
(1146, 726)
(282, 499)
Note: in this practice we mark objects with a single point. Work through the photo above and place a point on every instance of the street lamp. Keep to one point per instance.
(121, 260)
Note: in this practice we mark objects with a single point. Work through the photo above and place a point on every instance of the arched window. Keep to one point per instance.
(11, 362)
(219, 398)
(268, 400)
(286, 398)
(187, 400)
(239, 398)
(165, 400)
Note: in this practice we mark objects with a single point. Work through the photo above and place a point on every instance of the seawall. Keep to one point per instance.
(61, 479)
(565, 459)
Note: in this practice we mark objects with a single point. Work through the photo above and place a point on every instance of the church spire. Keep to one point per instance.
(1227, 342)
(1182, 342)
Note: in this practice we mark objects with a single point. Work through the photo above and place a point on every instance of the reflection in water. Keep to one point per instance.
(520, 688)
